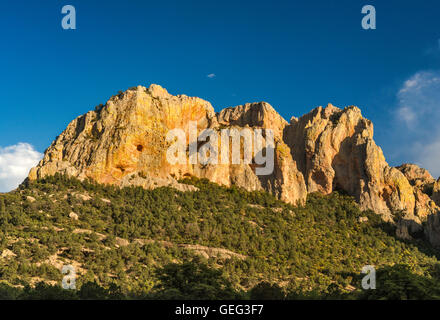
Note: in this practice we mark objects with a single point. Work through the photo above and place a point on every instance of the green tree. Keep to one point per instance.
(399, 283)
(193, 280)
(2, 206)
(266, 291)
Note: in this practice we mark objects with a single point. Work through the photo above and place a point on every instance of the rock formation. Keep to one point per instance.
(335, 150)
(436, 192)
(124, 143)
(416, 176)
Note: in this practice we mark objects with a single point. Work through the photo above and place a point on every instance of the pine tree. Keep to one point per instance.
(2, 206)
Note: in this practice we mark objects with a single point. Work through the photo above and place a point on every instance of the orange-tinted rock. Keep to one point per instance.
(124, 143)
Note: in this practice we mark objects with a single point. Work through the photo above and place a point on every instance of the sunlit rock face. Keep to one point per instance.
(125, 138)
(124, 142)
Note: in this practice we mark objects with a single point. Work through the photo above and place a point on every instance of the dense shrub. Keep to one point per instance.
(133, 243)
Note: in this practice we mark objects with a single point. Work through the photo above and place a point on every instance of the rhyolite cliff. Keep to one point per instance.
(124, 143)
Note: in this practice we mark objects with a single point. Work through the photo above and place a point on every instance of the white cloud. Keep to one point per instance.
(15, 163)
(429, 156)
(211, 75)
(418, 120)
(410, 83)
(407, 115)
(421, 93)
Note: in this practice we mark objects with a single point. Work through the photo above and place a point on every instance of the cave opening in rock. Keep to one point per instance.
(140, 147)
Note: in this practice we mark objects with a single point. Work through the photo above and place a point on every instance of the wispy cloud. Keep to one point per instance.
(211, 75)
(433, 50)
(428, 155)
(418, 119)
(15, 163)
(407, 115)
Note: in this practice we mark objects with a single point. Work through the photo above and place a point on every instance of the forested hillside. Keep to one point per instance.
(214, 243)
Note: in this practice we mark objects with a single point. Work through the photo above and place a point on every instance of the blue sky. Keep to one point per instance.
(296, 55)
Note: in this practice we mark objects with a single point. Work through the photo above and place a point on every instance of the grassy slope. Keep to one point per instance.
(127, 236)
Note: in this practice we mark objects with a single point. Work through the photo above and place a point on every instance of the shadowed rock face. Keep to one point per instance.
(335, 150)
(416, 176)
(328, 149)
(436, 192)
